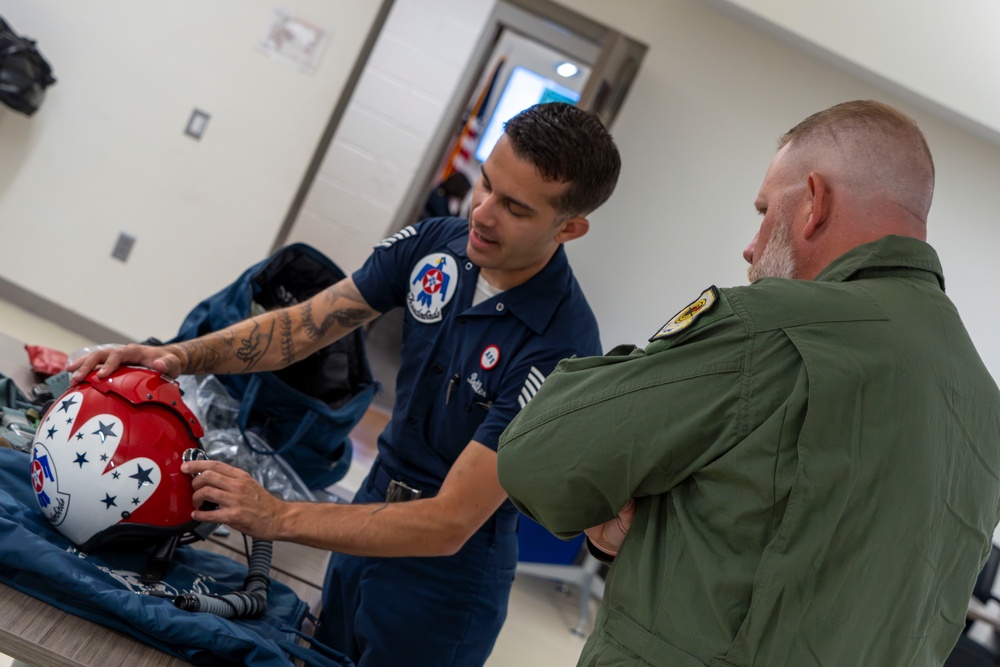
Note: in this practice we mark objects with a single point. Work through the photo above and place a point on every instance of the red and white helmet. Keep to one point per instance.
(106, 460)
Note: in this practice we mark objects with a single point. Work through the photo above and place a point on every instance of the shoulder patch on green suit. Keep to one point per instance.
(686, 317)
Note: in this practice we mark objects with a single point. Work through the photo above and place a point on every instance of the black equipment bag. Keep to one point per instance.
(24, 73)
(305, 411)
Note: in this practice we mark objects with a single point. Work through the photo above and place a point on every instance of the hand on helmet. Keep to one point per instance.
(242, 503)
(167, 359)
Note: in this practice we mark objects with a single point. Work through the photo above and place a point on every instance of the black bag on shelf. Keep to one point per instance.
(24, 73)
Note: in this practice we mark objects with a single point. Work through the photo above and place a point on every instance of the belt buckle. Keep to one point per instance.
(399, 492)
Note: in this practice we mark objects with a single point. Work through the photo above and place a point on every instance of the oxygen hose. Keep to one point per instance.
(251, 602)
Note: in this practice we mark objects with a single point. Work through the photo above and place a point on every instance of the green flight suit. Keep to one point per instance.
(816, 463)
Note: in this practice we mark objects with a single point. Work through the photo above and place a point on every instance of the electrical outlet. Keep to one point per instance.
(123, 246)
(196, 124)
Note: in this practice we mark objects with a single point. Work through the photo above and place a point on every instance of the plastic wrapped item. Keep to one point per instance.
(18, 416)
(217, 411)
(18, 436)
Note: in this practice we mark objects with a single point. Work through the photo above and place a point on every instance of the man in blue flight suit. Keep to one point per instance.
(491, 307)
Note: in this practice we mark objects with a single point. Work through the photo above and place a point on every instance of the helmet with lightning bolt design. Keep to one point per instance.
(106, 461)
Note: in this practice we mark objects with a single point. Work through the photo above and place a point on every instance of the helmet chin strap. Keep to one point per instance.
(163, 554)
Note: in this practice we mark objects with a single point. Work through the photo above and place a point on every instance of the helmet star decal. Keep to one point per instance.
(104, 432)
(142, 476)
(84, 493)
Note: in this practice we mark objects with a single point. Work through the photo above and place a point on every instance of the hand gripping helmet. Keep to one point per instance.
(106, 461)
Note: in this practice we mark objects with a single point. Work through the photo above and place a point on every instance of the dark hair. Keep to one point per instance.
(456, 185)
(570, 145)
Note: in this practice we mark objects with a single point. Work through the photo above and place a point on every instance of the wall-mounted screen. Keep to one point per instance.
(524, 88)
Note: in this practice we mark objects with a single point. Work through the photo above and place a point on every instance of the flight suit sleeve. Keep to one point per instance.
(629, 424)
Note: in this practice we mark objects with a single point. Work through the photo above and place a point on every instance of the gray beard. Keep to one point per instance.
(777, 260)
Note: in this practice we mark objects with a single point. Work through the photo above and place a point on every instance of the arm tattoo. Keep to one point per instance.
(287, 344)
(307, 321)
(254, 346)
(205, 354)
(347, 318)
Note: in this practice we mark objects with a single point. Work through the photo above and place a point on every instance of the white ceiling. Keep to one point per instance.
(944, 56)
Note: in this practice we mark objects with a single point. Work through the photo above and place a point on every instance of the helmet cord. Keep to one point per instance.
(251, 602)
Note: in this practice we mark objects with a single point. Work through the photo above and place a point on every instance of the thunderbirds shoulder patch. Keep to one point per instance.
(688, 314)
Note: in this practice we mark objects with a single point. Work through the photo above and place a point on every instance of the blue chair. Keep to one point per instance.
(568, 563)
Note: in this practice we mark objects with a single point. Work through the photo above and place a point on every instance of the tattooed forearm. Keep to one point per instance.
(254, 346)
(287, 344)
(205, 354)
(348, 318)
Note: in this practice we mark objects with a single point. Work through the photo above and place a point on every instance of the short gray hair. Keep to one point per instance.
(881, 149)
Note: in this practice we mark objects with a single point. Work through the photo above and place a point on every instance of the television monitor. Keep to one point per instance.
(523, 89)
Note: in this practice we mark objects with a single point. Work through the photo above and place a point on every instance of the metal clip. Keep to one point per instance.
(400, 492)
(193, 454)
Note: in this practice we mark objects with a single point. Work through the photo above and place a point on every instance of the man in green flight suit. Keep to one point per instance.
(814, 457)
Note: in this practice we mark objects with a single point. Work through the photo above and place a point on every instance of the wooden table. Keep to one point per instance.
(42, 635)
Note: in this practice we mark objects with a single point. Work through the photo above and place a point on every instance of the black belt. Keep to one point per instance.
(396, 491)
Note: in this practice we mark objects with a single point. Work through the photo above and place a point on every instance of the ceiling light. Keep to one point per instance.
(567, 69)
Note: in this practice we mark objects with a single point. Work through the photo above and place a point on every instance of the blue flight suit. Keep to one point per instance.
(465, 372)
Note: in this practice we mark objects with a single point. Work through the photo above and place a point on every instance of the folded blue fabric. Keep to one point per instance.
(104, 586)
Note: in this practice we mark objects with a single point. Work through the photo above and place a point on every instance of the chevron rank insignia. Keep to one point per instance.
(688, 314)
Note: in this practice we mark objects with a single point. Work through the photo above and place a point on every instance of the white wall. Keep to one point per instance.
(107, 153)
(413, 72)
(946, 52)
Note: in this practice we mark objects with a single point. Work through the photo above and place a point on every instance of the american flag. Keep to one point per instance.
(461, 157)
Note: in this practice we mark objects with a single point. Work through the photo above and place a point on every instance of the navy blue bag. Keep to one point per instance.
(305, 411)
(105, 587)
